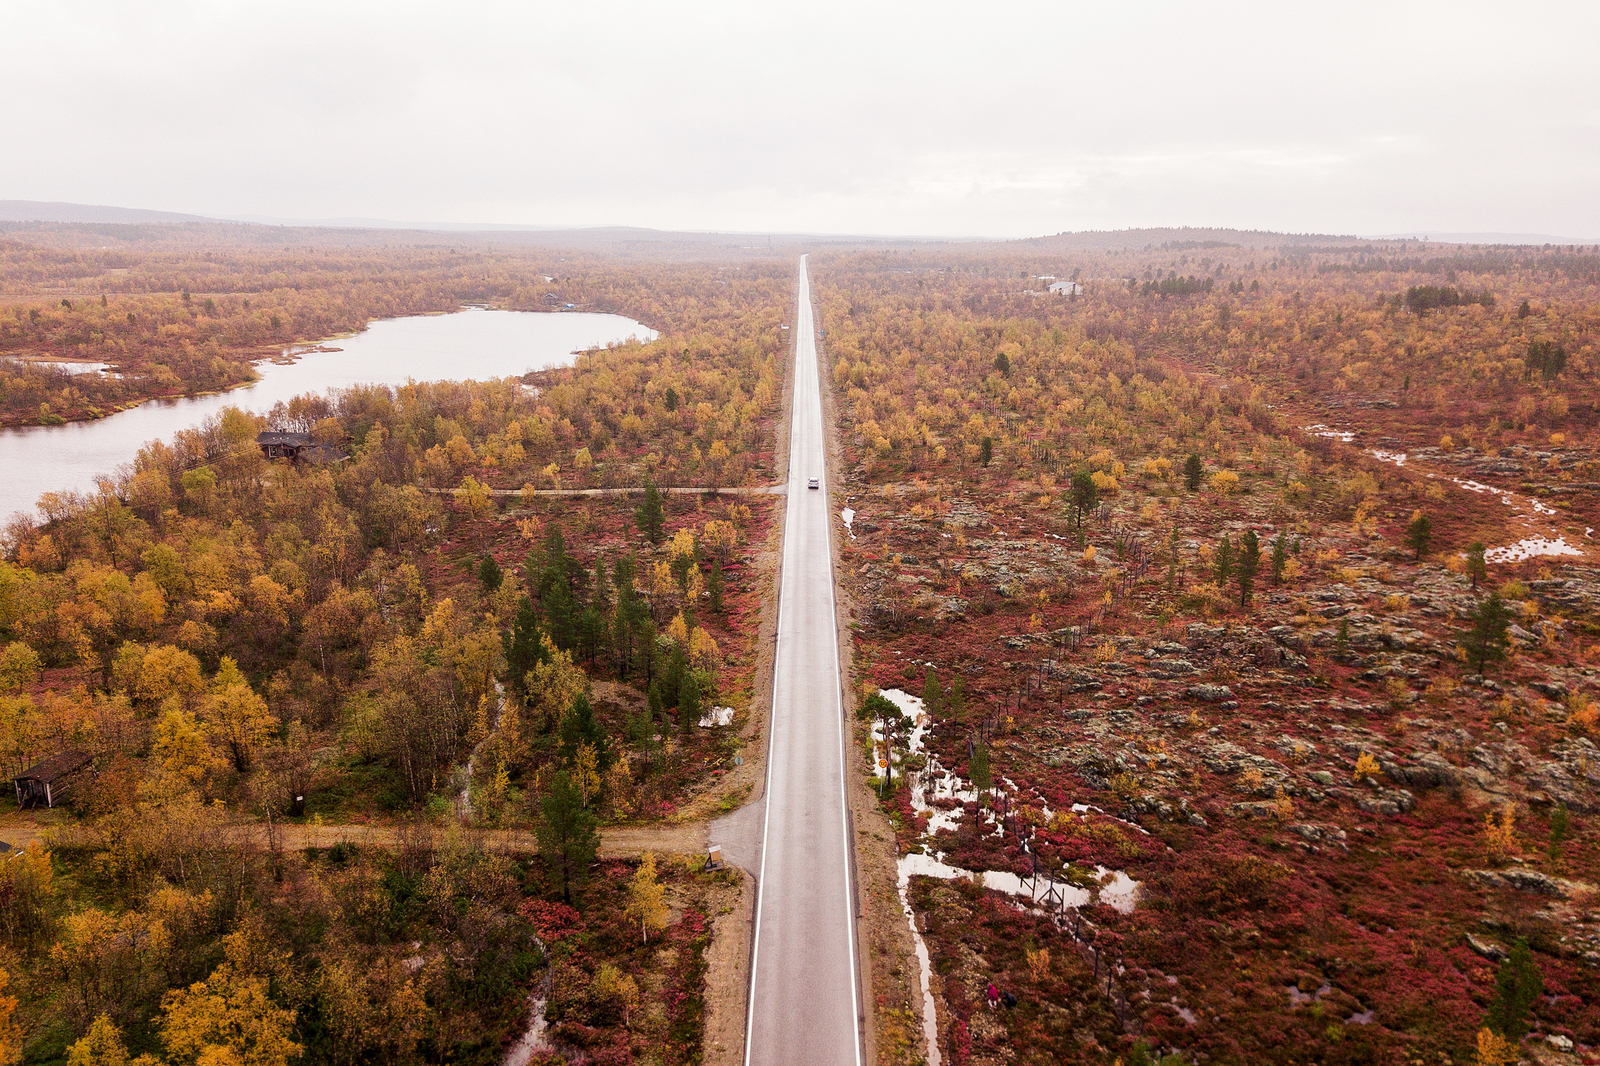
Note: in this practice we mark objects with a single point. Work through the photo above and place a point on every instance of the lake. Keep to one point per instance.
(472, 343)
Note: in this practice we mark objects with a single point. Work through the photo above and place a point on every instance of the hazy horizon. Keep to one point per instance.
(937, 121)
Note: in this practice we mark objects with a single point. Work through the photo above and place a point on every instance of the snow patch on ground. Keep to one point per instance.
(1397, 458)
(849, 516)
(1320, 430)
(717, 716)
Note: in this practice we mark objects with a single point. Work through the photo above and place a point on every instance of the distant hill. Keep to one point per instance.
(1486, 238)
(52, 211)
(1176, 238)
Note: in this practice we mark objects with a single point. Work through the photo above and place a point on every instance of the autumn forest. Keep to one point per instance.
(1222, 608)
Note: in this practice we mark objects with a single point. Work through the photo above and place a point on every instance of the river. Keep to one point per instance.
(473, 343)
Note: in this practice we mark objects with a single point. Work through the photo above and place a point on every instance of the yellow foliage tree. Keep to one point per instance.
(237, 717)
(1225, 482)
(474, 497)
(720, 538)
(703, 651)
(227, 1018)
(10, 1031)
(556, 682)
(647, 898)
(1500, 838)
(1494, 1049)
(101, 1046)
(682, 545)
(1366, 766)
(180, 746)
(151, 675)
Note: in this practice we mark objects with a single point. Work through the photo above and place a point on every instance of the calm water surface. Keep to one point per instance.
(473, 343)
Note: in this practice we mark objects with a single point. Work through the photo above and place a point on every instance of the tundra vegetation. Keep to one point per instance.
(359, 728)
(1202, 573)
(1216, 550)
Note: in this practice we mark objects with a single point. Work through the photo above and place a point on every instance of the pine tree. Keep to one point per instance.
(1193, 468)
(600, 592)
(650, 515)
(568, 834)
(982, 778)
(1477, 566)
(1517, 987)
(1280, 556)
(560, 612)
(522, 647)
(932, 694)
(1085, 497)
(1419, 534)
(1224, 567)
(689, 709)
(579, 727)
(489, 575)
(1249, 563)
(1486, 640)
(714, 586)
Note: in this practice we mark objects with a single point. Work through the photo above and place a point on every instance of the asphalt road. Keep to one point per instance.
(805, 1002)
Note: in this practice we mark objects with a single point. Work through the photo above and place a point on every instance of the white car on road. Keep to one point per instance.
(813, 484)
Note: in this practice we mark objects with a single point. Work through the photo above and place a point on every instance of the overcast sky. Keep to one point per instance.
(995, 119)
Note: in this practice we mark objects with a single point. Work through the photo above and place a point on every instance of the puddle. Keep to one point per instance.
(1530, 511)
(1530, 548)
(934, 784)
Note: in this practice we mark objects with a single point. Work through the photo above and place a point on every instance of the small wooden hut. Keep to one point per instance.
(298, 448)
(48, 783)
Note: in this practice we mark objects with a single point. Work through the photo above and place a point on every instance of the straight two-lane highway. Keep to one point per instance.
(805, 1002)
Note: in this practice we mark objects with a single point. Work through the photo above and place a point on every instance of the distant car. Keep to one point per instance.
(813, 484)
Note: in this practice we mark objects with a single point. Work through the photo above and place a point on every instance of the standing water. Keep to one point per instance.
(473, 343)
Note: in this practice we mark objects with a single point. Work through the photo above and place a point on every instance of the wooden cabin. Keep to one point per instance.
(275, 444)
(297, 447)
(49, 782)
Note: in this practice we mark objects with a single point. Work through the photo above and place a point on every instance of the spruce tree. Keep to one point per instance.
(1192, 469)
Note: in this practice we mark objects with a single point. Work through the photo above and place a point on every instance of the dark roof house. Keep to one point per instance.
(47, 783)
(297, 447)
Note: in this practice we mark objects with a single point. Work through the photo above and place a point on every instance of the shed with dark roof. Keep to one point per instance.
(46, 784)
